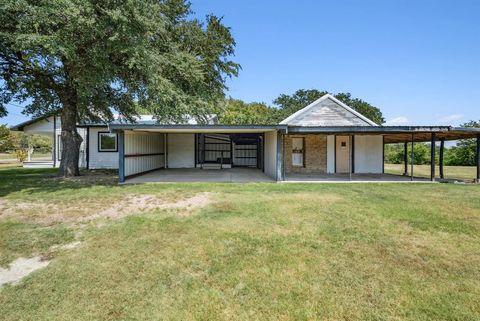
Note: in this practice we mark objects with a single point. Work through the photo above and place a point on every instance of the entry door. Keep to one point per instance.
(342, 154)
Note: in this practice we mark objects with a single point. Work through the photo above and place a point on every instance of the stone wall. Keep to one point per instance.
(315, 154)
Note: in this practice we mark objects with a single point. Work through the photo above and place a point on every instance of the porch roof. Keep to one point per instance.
(395, 134)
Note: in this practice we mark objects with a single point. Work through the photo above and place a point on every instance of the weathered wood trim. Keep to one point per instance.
(144, 155)
(441, 157)
(432, 157)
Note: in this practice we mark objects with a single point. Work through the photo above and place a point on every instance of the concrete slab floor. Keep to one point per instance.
(190, 175)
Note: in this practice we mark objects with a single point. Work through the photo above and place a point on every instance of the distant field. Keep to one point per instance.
(453, 172)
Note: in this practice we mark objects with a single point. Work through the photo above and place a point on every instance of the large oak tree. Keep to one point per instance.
(89, 59)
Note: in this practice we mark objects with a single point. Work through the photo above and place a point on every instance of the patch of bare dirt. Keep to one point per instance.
(149, 203)
(71, 213)
(20, 268)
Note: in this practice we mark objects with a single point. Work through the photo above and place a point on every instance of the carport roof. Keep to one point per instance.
(196, 128)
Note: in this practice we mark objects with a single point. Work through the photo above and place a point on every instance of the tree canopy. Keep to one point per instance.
(238, 112)
(88, 59)
(289, 104)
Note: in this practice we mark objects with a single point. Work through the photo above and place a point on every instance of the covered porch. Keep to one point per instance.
(357, 153)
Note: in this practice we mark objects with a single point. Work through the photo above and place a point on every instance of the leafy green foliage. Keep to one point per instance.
(466, 150)
(394, 153)
(289, 104)
(237, 112)
(108, 55)
(6, 138)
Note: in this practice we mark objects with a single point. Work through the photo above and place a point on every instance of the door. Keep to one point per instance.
(342, 154)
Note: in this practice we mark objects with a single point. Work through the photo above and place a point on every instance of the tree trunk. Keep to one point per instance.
(71, 141)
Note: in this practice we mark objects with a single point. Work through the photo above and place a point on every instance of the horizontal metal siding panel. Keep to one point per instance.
(142, 145)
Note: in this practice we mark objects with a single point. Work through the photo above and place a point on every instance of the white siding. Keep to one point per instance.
(141, 144)
(99, 160)
(331, 154)
(43, 127)
(271, 154)
(181, 150)
(368, 154)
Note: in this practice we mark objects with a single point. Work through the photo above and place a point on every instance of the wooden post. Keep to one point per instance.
(442, 149)
(478, 158)
(405, 158)
(432, 157)
(412, 160)
(350, 157)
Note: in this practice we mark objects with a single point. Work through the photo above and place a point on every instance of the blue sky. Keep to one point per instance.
(418, 61)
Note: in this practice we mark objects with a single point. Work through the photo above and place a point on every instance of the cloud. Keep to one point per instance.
(451, 119)
(397, 121)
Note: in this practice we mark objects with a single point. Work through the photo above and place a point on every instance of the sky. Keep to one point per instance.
(418, 61)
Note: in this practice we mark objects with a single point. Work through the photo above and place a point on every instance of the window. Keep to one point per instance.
(298, 151)
(107, 142)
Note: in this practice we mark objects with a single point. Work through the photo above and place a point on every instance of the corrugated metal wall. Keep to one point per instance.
(143, 152)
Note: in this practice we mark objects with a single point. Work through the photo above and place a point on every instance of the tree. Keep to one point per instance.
(6, 138)
(238, 112)
(288, 104)
(87, 59)
(464, 153)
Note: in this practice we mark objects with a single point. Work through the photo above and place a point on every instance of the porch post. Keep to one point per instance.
(412, 160)
(279, 175)
(350, 157)
(432, 157)
(121, 157)
(442, 149)
(405, 158)
(478, 158)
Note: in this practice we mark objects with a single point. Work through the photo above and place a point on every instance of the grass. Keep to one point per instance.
(256, 252)
(451, 172)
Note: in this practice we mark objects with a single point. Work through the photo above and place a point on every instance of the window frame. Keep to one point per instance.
(99, 143)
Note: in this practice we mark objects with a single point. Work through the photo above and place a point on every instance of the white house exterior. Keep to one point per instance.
(325, 138)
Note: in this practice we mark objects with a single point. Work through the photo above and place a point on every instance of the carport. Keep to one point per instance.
(190, 153)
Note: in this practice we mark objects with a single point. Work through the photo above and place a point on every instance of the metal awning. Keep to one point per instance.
(395, 134)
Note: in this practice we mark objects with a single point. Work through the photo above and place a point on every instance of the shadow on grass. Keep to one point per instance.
(44, 180)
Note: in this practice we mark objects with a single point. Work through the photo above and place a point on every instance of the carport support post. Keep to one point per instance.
(405, 158)
(442, 149)
(432, 157)
(412, 160)
(121, 157)
(478, 158)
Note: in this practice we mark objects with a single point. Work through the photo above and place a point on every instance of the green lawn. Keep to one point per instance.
(255, 252)
(451, 172)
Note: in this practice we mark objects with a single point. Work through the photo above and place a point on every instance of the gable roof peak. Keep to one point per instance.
(348, 109)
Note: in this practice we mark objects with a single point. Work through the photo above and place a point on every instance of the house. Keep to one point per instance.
(326, 140)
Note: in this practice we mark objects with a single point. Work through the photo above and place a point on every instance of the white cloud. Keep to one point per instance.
(397, 121)
(451, 119)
